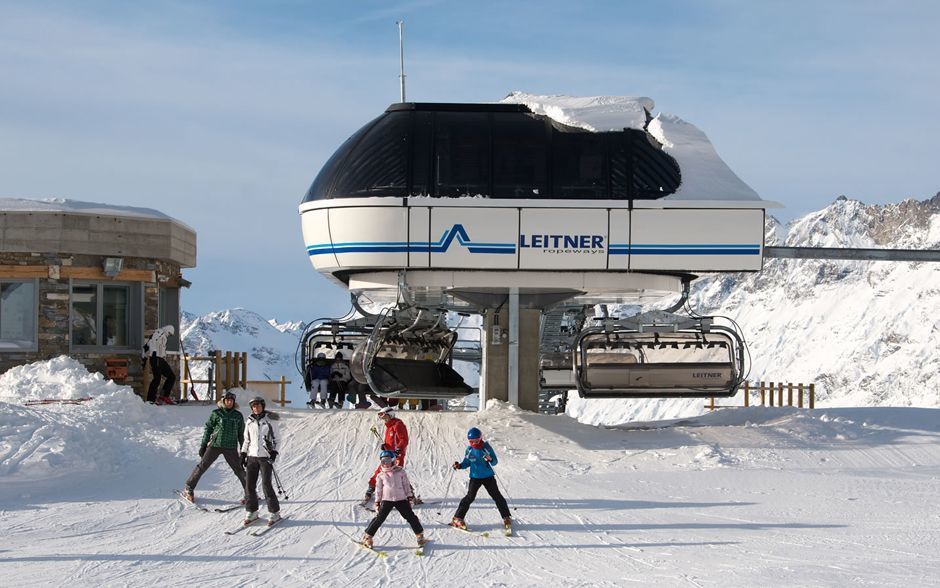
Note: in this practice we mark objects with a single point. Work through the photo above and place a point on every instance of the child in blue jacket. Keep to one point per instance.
(480, 458)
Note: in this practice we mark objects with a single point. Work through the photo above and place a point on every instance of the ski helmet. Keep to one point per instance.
(387, 411)
(321, 356)
(474, 433)
(256, 400)
(387, 455)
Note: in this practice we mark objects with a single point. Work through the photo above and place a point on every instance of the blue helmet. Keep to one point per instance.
(474, 433)
(386, 454)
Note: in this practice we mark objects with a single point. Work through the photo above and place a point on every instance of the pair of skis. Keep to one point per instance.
(507, 530)
(419, 550)
(261, 531)
(185, 499)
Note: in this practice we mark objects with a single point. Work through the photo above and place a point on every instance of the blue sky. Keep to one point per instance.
(221, 113)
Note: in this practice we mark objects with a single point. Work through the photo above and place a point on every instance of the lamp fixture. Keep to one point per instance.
(112, 266)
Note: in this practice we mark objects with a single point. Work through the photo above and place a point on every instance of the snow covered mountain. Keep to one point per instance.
(270, 345)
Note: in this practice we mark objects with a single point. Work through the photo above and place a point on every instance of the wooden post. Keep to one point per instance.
(283, 391)
(779, 393)
(790, 394)
(218, 375)
(763, 399)
(799, 396)
(770, 393)
(812, 396)
(747, 394)
(245, 370)
(228, 370)
(711, 403)
(236, 370)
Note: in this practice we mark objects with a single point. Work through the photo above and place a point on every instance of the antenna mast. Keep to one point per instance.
(401, 56)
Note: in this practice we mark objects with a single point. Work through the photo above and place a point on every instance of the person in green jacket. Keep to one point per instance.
(223, 434)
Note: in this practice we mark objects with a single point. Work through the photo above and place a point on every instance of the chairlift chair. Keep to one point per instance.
(658, 355)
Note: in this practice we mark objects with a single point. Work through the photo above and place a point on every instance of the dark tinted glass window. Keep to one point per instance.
(519, 156)
(421, 153)
(657, 173)
(378, 164)
(579, 165)
(461, 153)
(621, 166)
(321, 185)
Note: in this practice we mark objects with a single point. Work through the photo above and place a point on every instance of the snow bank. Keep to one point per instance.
(43, 443)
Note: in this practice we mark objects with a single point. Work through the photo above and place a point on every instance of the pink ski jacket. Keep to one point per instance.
(392, 484)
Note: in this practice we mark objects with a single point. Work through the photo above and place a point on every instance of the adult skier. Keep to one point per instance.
(480, 458)
(154, 352)
(258, 452)
(223, 434)
(396, 441)
(392, 491)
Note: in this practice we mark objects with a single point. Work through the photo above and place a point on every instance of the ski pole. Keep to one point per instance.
(503, 489)
(277, 480)
(447, 490)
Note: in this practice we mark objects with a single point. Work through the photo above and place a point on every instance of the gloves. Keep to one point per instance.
(244, 459)
(411, 501)
(487, 458)
(273, 455)
(385, 447)
(398, 452)
(456, 465)
(202, 450)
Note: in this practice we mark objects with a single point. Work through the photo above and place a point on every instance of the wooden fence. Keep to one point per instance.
(772, 394)
(230, 370)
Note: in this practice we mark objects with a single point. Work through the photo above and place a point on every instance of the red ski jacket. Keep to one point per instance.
(396, 437)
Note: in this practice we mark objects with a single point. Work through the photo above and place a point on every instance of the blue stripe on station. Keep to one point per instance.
(684, 249)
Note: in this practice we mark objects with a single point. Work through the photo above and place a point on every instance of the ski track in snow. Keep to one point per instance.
(742, 498)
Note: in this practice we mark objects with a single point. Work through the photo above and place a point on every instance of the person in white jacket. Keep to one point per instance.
(258, 452)
(154, 351)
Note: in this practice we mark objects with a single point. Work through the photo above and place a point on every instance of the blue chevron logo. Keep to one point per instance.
(456, 232)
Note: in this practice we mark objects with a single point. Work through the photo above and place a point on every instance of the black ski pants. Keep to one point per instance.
(403, 508)
(209, 457)
(492, 487)
(160, 369)
(263, 466)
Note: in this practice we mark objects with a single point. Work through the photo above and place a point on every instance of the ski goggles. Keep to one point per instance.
(476, 443)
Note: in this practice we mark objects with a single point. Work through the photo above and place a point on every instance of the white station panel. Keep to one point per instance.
(419, 246)
(316, 229)
(618, 247)
(370, 236)
(477, 238)
(563, 238)
(697, 240)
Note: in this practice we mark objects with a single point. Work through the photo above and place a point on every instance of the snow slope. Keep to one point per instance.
(736, 498)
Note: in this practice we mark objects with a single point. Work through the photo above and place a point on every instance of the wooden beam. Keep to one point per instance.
(78, 273)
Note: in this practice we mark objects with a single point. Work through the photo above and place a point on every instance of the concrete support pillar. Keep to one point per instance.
(495, 374)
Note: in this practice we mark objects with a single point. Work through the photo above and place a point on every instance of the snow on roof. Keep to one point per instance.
(705, 177)
(79, 207)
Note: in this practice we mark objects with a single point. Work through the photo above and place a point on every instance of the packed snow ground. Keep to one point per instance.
(741, 497)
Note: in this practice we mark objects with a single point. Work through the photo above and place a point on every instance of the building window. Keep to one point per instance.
(106, 315)
(169, 314)
(18, 315)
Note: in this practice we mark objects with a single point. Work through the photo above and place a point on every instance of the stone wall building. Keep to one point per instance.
(90, 281)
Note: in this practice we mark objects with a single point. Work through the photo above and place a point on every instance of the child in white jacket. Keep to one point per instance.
(393, 490)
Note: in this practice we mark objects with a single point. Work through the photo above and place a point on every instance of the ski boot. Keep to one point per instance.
(459, 523)
(367, 541)
(507, 526)
(252, 517)
(420, 539)
(188, 495)
(275, 517)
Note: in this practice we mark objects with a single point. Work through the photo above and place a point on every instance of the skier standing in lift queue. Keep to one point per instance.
(258, 452)
(154, 354)
(480, 458)
(223, 435)
(392, 490)
(396, 441)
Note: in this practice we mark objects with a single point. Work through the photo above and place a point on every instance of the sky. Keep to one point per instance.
(221, 114)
